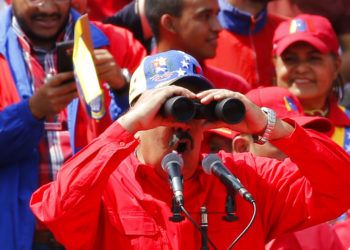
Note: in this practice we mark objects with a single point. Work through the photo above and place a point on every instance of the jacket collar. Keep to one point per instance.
(240, 22)
(339, 115)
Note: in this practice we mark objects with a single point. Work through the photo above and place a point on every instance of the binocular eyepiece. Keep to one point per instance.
(183, 109)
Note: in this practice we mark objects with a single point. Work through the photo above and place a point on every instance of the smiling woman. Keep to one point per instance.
(307, 62)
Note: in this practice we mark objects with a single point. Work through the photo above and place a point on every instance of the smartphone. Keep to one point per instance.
(65, 56)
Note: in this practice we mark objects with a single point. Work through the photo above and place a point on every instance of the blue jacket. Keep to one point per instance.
(20, 134)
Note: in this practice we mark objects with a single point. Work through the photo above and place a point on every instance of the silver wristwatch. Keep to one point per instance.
(271, 122)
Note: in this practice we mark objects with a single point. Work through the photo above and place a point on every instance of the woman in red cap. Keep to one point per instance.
(307, 62)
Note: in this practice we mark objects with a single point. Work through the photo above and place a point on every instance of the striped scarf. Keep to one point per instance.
(54, 147)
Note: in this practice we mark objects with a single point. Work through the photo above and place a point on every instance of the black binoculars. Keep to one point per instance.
(183, 109)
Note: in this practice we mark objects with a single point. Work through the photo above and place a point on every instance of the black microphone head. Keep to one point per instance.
(172, 157)
(207, 162)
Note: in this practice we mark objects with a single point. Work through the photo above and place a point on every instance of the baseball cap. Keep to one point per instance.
(313, 29)
(225, 132)
(166, 68)
(286, 105)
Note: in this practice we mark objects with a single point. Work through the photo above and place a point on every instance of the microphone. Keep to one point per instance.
(172, 163)
(212, 164)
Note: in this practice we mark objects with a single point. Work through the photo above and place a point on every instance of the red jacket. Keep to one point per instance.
(223, 79)
(340, 117)
(320, 237)
(343, 231)
(249, 56)
(20, 132)
(104, 198)
(127, 52)
(101, 9)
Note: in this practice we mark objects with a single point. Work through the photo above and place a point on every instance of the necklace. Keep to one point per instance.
(317, 112)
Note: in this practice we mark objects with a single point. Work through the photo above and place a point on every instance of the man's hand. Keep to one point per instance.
(108, 70)
(53, 96)
(255, 120)
(145, 112)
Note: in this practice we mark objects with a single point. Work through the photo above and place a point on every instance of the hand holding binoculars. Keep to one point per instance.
(183, 109)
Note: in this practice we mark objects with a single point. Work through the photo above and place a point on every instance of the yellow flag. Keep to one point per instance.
(85, 71)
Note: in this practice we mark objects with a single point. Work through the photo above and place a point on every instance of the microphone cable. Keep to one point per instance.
(197, 226)
(204, 228)
(246, 228)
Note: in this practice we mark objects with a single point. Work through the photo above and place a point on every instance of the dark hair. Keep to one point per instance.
(338, 84)
(338, 87)
(155, 9)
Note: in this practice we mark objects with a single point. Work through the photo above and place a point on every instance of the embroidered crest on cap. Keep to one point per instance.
(298, 25)
(163, 70)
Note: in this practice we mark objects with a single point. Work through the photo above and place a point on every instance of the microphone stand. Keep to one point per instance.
(204, 228)
(176, 210)
(230, 207)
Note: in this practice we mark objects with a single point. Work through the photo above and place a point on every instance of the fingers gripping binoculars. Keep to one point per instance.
(183, 109)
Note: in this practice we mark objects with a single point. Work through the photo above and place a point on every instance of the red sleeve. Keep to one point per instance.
(223, 79)
(127, 51)
(310, 187)
(71, 204)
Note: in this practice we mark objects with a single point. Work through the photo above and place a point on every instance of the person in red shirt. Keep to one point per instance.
(285, 105)
(321, 236)
(43, 122)
(307, 62)
(337, 12)
(116, 194)
(183, 25)
(245, 43)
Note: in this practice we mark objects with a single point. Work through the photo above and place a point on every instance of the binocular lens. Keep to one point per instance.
(179, 107)
(230, 110)
(183, 109)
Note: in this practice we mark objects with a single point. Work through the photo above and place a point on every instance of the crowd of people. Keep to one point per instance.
(262, 160)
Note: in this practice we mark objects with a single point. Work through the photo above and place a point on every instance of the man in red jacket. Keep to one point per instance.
(245, 44)
(115, 193)
(192, 27)
(184, 25)
(43, 123)
(321, 236)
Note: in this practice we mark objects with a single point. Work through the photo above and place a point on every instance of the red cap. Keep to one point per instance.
(287, 105)
(225, 132)
(313, 29)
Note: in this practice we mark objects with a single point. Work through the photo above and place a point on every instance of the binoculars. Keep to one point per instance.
(183, 109)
